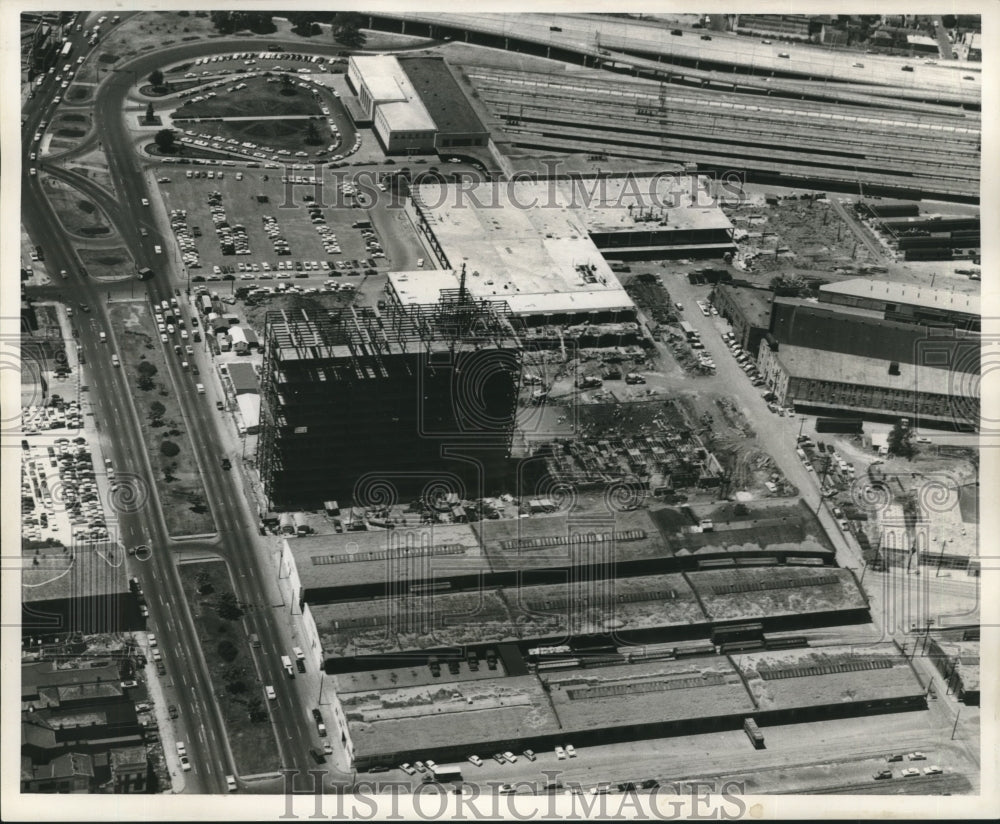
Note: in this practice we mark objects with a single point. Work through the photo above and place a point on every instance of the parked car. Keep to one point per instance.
(475, 760)
(407, 769)
(570, 751)
(560, 753)
(881, 774)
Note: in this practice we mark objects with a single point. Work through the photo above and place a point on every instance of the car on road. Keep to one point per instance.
(270, 693)
(145, 202)
(181, 748)
(407, 769)
(318, 755)
(32, 172)
(151, 640)
(115, 362)
(475, 760)
(185, 763)
(231, 783)
(226, 463)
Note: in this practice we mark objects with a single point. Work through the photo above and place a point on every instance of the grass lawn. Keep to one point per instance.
(292, 135)
(258, 99)
(178, 481)
(227, 653)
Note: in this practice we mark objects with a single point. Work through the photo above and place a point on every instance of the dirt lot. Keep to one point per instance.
(179, 483)
(113, 263)
(78, 215)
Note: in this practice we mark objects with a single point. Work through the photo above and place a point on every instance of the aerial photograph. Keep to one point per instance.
(632, 361)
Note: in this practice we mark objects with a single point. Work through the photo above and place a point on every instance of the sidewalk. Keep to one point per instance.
(168, 737)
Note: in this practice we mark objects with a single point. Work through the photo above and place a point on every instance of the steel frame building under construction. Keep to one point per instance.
(369, 406)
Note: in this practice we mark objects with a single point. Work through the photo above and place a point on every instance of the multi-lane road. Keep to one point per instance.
(188, 682)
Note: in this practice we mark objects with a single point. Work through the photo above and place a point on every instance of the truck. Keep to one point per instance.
(286, 663)
(688, 330)
(301, 524)
(446, 772)
(66, 49)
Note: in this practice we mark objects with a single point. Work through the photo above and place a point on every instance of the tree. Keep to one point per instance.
(900, 441)
(312, 133)
(156, 78)
(147, 368)
(146, 383)
(204, 582)
(156, 409)
(228, 651)
(169, 449)
(228, 607)
(255, 706)
(165, 140)
(347, 29)
(287, 86)
(150, 114)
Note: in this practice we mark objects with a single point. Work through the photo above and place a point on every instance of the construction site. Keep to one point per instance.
(359, 393)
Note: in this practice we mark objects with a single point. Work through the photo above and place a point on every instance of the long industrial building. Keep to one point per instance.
(497, 703)
(358, 400)
(853, 360)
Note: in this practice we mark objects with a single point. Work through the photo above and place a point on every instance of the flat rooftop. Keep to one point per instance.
(394, 625)
(351, 558)
(441, 94)
(906, 294)
(558, 540)
(646, 693)
(515, 243)
(755, 304)
(82, 571)
(747, 594)
(484, 712)
(839, 367)
(441, 715)
(781, 679)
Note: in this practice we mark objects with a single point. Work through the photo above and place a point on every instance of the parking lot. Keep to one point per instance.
(256, 225)
(60, 499)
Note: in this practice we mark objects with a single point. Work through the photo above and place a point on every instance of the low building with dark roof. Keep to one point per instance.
(457, 123)
(749, 312)
(69, 773)
(79, 589)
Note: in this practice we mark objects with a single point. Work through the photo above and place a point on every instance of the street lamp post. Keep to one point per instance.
(802, 423)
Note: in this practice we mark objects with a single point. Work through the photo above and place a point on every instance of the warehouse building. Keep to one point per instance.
(748, 310)
(406, 713)
(837, 359)
(906, 303)
(388, 98)
(457, 126)
(339, 390)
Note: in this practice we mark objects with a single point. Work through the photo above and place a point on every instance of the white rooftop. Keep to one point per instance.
(392, 93)
(906, 294)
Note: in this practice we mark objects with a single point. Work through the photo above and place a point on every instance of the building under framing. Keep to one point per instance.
(372, 406)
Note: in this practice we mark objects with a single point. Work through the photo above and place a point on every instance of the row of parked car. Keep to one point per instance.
(743, 359)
